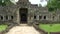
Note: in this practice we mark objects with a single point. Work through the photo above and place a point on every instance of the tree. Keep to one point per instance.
(5, 2)
(53, 5)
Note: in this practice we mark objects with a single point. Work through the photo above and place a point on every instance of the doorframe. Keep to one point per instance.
(20, 15)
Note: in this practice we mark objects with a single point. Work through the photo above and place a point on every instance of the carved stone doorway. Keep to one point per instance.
(23, 15)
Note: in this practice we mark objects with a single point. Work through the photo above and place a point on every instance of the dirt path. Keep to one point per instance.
(23, 30)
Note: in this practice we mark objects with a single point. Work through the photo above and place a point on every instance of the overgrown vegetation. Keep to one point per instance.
(3, 27)
(5, 3)
(53, 5)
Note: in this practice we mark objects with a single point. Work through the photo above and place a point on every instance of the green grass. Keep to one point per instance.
(3, 27)
(50, 27)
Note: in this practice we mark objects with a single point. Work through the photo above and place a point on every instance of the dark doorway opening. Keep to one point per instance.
(44, 17)
(23, 15)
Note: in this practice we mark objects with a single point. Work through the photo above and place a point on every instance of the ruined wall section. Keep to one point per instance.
(41, 14)
(8, 14)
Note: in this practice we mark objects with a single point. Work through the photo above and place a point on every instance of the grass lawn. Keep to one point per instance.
(3, 27)
(50, 27)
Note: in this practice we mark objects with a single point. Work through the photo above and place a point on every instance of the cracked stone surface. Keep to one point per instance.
(23, 30)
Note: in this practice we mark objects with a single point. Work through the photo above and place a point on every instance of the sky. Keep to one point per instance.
(42, 2)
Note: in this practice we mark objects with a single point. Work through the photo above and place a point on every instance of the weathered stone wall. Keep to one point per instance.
(11, 13)
(8, 14)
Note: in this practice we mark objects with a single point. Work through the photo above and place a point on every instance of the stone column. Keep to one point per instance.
(58, 18)
(28, 19)
(51, 17)
(46, 18)
(37, 17)
(3, 18)
(18, 18)
(8, 18)
(42, 17)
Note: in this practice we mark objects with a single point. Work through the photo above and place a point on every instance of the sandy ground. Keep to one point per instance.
(23, 30)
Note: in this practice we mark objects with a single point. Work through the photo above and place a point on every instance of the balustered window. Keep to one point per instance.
(11, 17)
(44, 17)
(34, 17)
(6, 17)
(1, 17)
(40, 17)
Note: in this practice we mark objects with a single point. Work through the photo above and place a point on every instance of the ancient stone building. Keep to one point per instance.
(25, 12)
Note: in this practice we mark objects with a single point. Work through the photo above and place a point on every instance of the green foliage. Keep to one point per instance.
(5, 3)
(51, 9)
(50, 27)
(53, 5)
(3, 27)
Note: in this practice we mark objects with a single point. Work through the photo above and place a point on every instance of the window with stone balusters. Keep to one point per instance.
(11, 17)
(44, 17)
(35, 17)
(6, 17)
(1, 17)
(40, 17)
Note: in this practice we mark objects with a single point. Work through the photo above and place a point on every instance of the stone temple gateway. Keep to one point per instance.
(23, 15)
(26, 13)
